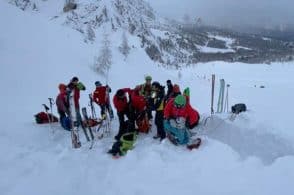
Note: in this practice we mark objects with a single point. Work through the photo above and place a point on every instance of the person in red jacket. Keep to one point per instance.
(121, 104)
(101, 97)
(62, 106)
(137, 107)
(179, 116)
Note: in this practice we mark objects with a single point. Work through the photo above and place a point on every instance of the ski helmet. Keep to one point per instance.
(180, 101)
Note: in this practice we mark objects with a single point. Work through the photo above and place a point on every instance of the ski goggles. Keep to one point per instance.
(179, 106)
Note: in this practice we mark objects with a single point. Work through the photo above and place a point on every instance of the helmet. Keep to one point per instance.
(180, 101)
(148, 78)
(98, 84)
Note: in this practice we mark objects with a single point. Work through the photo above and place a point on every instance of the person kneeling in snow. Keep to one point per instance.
(179, 117)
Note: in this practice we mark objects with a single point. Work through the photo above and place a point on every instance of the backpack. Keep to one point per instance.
(143, 124)
(42, 117)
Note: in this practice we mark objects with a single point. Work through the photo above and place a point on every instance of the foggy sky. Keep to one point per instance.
(263, 13)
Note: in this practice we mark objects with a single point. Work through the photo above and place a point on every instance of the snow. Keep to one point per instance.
(253, 154)
(206, 49)
(227, 40)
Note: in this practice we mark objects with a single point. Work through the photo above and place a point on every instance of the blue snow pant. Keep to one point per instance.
(182, 136)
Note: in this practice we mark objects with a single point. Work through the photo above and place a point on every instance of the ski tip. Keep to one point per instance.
(115, 156)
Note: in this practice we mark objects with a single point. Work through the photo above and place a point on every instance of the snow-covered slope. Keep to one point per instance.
(252, 155)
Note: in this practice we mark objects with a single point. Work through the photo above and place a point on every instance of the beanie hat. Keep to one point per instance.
(180, 100)
(98, 84)
(62, 87)
(148, 78)
(75, 79)
(120, 93)
(176, 88)
(156, 84)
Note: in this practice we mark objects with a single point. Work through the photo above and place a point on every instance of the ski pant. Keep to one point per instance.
(123, 127)
(181, 136)
(133, 116)
(159, 124)
(104, 108)
(149, 108)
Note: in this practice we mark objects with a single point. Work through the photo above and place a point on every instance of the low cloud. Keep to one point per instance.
(257, 13)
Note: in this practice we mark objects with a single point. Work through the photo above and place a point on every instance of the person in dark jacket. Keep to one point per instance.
(73, 93)
(158, 105)
(169, 89)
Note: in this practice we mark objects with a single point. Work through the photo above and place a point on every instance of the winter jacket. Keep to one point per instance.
(145, 90)
(121, 104)
(100, 95)
(187, 112)
(72, 88)
(169, 91)
(138, 102)
(158, 100)
(61, 102)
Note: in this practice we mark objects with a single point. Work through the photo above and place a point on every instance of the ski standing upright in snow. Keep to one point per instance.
(85, 115)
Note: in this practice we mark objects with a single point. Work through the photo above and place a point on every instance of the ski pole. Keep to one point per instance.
(92, 107)
(51, 102)
(226, 109)
(212, 93)
(46, 110)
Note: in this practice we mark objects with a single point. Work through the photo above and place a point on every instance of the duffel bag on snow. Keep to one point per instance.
(43, 117)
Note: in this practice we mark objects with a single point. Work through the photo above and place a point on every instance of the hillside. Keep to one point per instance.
(169, 43)
(252, 155)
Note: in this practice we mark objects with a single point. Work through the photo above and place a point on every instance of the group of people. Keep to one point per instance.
(172, 108)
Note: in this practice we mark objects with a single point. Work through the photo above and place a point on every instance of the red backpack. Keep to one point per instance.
(42, 118)
(143, 124)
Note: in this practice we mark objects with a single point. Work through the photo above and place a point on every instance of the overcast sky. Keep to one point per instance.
(227, 12)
